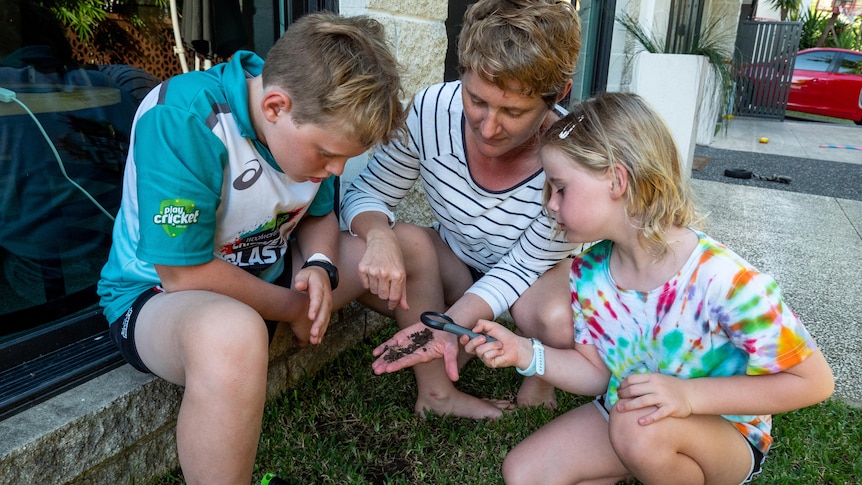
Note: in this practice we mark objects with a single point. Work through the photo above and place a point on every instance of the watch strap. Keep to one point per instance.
(330, 268)
(537, 365)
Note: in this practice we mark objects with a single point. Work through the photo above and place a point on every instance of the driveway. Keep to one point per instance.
(806, 234)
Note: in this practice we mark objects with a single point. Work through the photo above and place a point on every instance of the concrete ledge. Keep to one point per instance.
(120, 427)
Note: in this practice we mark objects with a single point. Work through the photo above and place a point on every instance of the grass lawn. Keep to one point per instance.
(347, 426)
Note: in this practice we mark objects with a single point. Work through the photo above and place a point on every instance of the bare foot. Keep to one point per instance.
(462, 405)
(536, 392)
(301, 332)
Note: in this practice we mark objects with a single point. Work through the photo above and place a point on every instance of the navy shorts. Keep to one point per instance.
(122, 331)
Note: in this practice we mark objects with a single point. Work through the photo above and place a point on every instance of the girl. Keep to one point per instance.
(690, 348)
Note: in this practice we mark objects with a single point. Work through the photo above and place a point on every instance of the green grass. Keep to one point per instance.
(347, 426)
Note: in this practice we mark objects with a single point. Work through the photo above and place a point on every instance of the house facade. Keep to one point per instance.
(47, 301)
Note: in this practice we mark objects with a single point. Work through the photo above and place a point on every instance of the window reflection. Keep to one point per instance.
(815, 61)
(63, 142)
(83, 91)
(850, 64)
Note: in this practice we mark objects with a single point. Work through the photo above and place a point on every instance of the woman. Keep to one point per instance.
(473, 144)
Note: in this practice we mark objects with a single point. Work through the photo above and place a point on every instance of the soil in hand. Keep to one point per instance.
(417, 341)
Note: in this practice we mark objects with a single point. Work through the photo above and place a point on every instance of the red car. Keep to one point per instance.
(827, 82)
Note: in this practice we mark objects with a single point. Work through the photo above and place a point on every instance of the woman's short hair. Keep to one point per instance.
(534, 43)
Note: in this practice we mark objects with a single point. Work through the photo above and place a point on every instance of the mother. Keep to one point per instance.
(472, 142)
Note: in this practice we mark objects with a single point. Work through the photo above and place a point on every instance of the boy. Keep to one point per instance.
(226, 222)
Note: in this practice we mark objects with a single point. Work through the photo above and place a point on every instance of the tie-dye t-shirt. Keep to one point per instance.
(718, 316)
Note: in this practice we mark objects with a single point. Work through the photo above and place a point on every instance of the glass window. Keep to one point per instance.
(684, 24)
(66, 106)
(850, 64)
(65, 121)
(814, 61)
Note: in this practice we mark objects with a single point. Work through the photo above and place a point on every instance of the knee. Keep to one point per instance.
(635, 444)
(553, 324)
(512, 472)
(516, 469)
(417, 247)
(230, 349)
(556, 316)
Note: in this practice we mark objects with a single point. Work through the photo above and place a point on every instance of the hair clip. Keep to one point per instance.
(571, 126)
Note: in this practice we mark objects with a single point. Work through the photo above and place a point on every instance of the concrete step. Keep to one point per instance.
(121, 425)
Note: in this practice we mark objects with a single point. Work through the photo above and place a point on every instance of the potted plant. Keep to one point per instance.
(695, 81)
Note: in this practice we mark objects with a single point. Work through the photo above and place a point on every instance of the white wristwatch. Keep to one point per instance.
(537, 365)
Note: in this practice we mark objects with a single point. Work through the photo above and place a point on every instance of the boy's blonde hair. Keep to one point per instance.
(339, 71)
(534, 43)
(621, 129)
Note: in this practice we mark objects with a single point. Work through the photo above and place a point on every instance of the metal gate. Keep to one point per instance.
(764, 67)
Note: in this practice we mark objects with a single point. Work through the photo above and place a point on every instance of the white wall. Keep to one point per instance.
(417, 33)
(654, 15)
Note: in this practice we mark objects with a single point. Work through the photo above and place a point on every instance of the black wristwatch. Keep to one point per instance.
(321, 261)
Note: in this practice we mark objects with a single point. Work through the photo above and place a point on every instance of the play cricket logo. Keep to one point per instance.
(176, 215)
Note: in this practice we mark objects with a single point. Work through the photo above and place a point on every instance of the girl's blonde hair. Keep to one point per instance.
(621, 129)
(534, 43)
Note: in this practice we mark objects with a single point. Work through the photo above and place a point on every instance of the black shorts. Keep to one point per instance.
(122, 331)
(475, 273)
(758, 458)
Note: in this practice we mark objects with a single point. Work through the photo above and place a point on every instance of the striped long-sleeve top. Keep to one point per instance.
(504, 234)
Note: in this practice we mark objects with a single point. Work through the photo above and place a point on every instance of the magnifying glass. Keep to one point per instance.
(441, 321)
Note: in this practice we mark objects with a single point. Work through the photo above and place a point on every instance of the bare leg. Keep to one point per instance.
(573, 448)
(544, 312)
(217, 348)
(434, 275)
(436, 393)
(698, 449)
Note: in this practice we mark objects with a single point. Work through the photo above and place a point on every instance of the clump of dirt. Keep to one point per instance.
(417, 341)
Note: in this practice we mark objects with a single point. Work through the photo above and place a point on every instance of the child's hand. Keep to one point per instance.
(417, 344)
(315, 282)
(509, 349)
(665, 393)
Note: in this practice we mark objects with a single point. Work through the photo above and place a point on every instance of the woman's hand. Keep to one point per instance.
(417, 344)
(382, 270)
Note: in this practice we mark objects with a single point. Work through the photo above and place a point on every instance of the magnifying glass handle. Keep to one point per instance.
(459, 330)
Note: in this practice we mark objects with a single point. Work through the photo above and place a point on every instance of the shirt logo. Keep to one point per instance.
(176, 215)
(249, 176)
